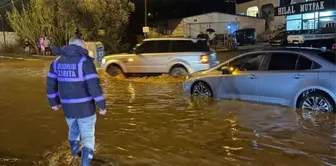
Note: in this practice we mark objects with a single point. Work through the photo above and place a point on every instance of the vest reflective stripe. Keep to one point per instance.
(51, 75)
(80, 67)
(60, 79)
(87, 77)
(55, 65)
(53, 95)
(90, 76)
(99, 98)
(78, 100)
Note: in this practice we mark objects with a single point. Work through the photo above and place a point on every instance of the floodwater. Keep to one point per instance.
(150, 122)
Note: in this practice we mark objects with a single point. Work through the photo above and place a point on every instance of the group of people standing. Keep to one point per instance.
(44, 45)
(209, 36)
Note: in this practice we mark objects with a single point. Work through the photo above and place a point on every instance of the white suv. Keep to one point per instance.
(176, 56)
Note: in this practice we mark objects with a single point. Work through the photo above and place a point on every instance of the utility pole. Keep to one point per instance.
(145, 13)
(145, 33)
(3, 31)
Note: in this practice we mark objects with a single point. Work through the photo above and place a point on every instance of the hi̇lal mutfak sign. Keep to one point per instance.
(305, 7)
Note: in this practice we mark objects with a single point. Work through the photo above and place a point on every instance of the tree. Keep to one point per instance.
(31, 22)
(60, 19)
(110, 16)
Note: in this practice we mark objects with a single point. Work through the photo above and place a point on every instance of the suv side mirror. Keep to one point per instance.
(135, 51)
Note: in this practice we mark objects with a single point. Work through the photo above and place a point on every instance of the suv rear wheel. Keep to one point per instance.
(114, 70)
(317, 102)
(178, 72)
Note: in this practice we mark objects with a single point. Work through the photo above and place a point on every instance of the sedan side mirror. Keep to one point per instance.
(227, 70)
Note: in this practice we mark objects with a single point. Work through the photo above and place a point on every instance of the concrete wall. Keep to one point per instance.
(248, 22)
(242, 8)
(217, 21)
(166, 28)
(11, 38)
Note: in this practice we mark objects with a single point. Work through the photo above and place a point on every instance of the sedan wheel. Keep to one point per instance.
(201, 89)
(316, 102)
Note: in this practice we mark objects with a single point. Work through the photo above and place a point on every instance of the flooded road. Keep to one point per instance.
(150, 122)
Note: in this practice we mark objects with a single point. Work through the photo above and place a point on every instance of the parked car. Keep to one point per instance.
(245, 36)
(175, 56)
(279, 40)
(302, 78)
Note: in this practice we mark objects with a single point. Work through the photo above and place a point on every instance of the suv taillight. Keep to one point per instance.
(204, 59)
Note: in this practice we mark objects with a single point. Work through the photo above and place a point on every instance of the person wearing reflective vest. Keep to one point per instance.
(73, 84)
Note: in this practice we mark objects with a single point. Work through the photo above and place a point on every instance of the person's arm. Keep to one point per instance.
(52, 87)
(93, 83)
(56, 50)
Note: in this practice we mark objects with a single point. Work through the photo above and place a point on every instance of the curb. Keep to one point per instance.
(27, 59)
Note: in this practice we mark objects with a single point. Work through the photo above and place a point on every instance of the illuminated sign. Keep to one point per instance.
(305, 7)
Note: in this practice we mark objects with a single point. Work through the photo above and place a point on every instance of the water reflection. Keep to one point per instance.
(151, 122)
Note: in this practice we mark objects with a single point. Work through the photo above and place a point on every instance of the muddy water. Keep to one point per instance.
(150, 122)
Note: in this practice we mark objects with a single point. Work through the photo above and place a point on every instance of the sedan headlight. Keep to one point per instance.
(188, 77)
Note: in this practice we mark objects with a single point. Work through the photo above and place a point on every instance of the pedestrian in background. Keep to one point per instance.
(73, 83)
(26, 48)
(42, 48)
(46, 44)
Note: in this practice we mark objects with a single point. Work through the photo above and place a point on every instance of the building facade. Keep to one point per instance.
(308, 20)
(262, 9)
(220, 22)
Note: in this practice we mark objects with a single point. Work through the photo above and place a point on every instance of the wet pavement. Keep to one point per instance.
(151, 122)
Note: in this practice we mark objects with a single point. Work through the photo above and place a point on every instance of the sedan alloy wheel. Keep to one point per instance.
(201, 89)
(316, 102)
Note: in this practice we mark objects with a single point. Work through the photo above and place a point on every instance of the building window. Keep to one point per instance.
(310, 21)
(293, 25)
(294, 22)
(327, 19)
(327, 13)
(252, 11)
(327, 22)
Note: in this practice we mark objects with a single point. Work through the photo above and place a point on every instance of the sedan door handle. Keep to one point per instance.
(298, 76)
(252, 76)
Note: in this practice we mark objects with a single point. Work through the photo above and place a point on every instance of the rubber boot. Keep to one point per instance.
(87, 156)
(74, 145)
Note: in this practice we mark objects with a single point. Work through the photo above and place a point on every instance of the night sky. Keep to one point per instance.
(169, 9)
(163, 10)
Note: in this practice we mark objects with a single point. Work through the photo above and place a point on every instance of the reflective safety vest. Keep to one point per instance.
(73, 82)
